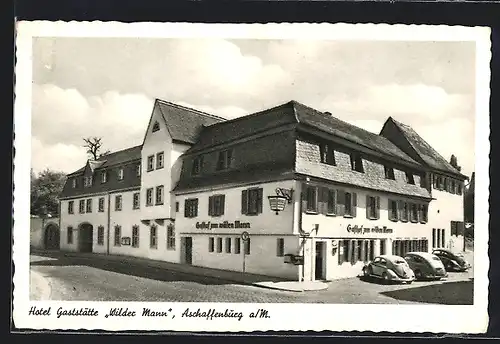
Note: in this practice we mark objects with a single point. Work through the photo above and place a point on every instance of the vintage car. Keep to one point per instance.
(452, 261)
(425, 265)
(390, 269)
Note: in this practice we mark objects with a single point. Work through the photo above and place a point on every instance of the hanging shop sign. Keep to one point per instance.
(362, 230)
(224, 225)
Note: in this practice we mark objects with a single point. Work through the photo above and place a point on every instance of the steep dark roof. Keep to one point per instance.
(184, 124)
(115, 158)
(428, 154)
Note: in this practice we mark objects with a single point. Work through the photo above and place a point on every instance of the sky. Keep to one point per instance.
(106, 87)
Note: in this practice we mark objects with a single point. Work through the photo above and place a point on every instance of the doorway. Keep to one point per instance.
(188, 250)
(51, 238)
(85, 237)
(319, 273)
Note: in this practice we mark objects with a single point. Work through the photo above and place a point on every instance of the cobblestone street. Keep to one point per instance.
(98, 279)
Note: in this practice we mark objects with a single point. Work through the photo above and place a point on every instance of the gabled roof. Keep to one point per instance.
(184, 124)
(115, 158)
(424, 150)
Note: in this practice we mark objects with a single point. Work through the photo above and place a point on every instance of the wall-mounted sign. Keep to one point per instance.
(225, 224)
(287, 193)
(125, 241)
(362, 230)
(244, 236)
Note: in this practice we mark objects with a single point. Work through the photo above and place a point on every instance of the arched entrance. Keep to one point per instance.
(85, 237)
(51, 237)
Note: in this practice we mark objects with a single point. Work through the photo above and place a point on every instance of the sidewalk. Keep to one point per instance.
(224, 275)
(40, 289)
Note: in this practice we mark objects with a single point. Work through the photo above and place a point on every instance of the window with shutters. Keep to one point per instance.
(118, 235)
(331, 208)
(251, 201)
(197, 165)
(327, 154)
(81, 206)
(280, 247)
(70, 207)
(237, 245)
(312, 199)
(101, 204)
(153, 237)
(191, 207)
(409, 178)
(372, 207)
(135, 236)
(224, 160)
(228, 245)
(100, 235)
(170, 237)
(393, 210)
(389, 172)
(89, 206)
(219, 245)
(151, 163)
(210, 244)
(356, 162)
(413, 213)
(216, 205)
(70, 235)
(423, 209)
(149, 197)
(403, 211)
(350, 204)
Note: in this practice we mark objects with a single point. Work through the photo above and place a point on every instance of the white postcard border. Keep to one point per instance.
(294, 317)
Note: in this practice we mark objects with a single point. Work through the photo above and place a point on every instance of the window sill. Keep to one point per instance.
(348, 216)
(136, 208)
(413, 221)
(159, 203)
(393, 220)
(372, 218)
(331, 215)
(311, 212)
(118, 210)
(170, 248)
(159, 167)
(423, 222)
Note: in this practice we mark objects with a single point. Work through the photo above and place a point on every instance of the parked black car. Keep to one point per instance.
(452, 261)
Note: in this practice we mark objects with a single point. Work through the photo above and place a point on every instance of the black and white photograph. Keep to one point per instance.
(239, 175)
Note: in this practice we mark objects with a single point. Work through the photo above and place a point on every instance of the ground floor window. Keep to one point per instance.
(135, 236)
(170, 237)
(118, 235)
(359, 250)
(70, 235)
(401, 247)
(153, 237)
(100, 235)
(280, 247)
(210, 244)
(438, 238)
(237, 245)
(219, 245)
(228, 245)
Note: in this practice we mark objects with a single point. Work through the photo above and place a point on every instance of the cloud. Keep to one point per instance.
(57, 157)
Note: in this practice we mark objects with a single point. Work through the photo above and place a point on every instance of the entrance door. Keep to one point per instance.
(320, 256)
(51, 239)
(188, 250)
(85, 238)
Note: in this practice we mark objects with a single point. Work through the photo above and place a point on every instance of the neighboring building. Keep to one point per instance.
(351, 194)
(469, 199)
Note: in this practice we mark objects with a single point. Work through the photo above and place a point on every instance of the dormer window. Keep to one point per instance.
(156, 126)
(104, 177)
(327, 154)
(74, 183)
(197, 165)
(356, 163)
(87, 181)
(120, 173)
(389, 172)
(138, 170)
(409, 178)
(224, 160)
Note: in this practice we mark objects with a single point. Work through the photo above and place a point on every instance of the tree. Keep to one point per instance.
(45, 190)
(94, 145)
(454, 162)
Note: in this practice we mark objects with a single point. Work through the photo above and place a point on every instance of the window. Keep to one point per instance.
(159, 195)
(372, 207)
(118, 235)
(435, 181)
(73, 183)
(343, 251)
(81, 206)
(149, 197)
(100, 205)
(251, 201)
(228, 245)
(70, 235)
(89, 206)
(87, 181)
(153, 237)
(237, 245)
(156, 127)
(350, 204)
(356, 162)
(311, 199)
(100, 235)
(191, 207)
(151, 163)
(118, 203)
(210, 244)
(219, 245)
(434, 237)
(389, 172)
(393, 210)
(403, 208)
(216, 205)
(453, 187)
(459, 188)
(176, 207)
(197, 165)
(423, 213)
(280, 247)
(423, 180)
(170, 237)
(327, 155)
(409, 178)
(70, 207)
(104, 176)
(120, 173)
(136, 200)
(443, 242)
(159, 160)
(413, 212)
(247, 246)
(331, 202)
(224, 160)
(445, 184)
(135, 236)
(138, 170)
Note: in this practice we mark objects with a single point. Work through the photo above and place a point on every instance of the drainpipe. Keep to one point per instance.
(109, 223)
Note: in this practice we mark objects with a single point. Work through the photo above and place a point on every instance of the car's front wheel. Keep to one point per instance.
(418, 274)
(366, 271)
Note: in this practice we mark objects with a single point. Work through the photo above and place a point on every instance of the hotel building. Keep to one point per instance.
(290, 192)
